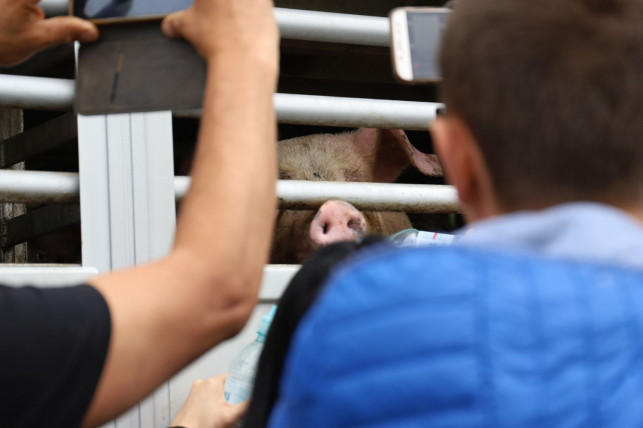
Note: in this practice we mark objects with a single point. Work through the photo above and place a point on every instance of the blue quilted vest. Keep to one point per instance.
(460, 337)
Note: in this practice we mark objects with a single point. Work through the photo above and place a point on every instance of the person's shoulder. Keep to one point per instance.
(385, 276)
(385, 270)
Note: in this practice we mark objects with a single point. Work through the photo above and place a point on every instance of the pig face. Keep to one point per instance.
(366, 155)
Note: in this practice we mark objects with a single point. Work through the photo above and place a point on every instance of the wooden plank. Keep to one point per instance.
(11, 123)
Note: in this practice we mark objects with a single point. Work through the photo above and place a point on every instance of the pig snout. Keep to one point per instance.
(337, 221)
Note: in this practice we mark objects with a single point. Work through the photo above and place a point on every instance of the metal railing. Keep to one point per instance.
(38, 93)
(348, 112)
(63, 188)
(58, 94)
(304, 25)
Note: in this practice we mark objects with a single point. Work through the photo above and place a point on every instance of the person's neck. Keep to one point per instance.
(632, 210)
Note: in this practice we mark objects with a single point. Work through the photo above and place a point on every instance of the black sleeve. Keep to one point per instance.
(53, 344)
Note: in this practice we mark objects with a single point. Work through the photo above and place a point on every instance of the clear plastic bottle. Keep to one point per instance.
(418, 238)
(241, 373)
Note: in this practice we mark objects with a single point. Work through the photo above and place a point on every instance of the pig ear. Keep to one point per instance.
(391, 152)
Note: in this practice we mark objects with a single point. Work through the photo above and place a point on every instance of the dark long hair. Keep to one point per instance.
(293, 305)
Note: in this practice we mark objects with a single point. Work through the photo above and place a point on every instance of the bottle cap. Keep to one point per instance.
(266, 320)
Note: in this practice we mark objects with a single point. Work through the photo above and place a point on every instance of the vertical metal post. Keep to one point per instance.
(127, 208)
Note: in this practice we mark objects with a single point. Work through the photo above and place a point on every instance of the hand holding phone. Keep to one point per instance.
(112, 11)
(416, 35)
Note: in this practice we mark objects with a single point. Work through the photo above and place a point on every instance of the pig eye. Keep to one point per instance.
(284, 176)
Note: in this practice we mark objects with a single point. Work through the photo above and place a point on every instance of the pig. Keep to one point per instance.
(365, 155)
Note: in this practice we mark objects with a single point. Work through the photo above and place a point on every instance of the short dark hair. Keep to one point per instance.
(552, 90)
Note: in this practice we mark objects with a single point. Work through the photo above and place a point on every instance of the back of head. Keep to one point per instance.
(552, 91)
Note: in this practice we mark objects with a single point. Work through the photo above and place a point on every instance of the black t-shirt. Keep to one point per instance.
(53, 344)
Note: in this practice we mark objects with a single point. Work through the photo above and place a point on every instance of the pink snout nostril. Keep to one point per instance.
(337, 221)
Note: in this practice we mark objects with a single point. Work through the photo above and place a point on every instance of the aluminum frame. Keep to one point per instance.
(127, 209)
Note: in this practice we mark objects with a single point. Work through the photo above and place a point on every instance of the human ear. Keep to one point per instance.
(464, 166)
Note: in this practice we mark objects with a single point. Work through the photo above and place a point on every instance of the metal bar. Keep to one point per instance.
(31, 187)
(291, 108)
(348, 112)
(38, 222)
(38, 93)
(333, 27)
(354, 112)
(414, 198)
(38, 139)
(54, 7)
(61, 187)
(45, 276)
(55, 187)
(304, 25)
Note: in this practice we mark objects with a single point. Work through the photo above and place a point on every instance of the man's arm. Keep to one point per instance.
(24, 30)
(167, 313)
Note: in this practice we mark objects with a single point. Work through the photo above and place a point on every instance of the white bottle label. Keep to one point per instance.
(237, 390)
(433, 238)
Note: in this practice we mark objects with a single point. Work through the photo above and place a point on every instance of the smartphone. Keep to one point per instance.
(416, 34)
(113, 11)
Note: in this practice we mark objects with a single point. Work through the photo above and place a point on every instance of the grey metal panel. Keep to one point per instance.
(94, 192)
(121, 192)
(127, 208)
(153, 161)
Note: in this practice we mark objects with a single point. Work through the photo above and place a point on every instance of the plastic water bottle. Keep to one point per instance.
(241, 374)
(419, 238)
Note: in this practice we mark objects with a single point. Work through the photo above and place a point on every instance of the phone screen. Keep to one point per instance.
(118, 9)
(425, 36)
